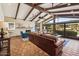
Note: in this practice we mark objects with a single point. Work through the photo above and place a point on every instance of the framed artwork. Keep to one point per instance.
(11, 25)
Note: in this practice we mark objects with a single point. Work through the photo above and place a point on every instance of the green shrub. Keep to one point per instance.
(67, 33)
(60, 32)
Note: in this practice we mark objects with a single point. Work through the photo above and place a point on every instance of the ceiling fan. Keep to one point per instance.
(40, 17)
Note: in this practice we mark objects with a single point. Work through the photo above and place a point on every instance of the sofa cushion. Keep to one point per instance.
(50, 36)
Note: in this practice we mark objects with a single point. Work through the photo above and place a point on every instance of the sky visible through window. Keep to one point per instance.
(58, 20)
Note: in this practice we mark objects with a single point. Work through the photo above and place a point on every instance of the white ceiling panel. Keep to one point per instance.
(41, 15)
(65, 8)
(46, 5)
(23, 11)
(9, 9)
(47, 16)
(33, 14)
(44, 18)
(55, 4)
(40, 20)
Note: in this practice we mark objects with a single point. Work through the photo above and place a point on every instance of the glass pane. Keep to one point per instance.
(49, 28)
(59, 27)
(74, 27)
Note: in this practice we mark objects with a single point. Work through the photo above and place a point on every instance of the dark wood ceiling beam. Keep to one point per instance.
(42, 17)
(52, 5)
(47, 18)
(65, 11)
(17, 10)
(39, 8)
(68, 15)
(38, 4)
(45, 15)
(33, 5)
(29, 13)
(36, 16)
(62, 6)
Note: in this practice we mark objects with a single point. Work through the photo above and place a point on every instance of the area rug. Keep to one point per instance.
(66, 42)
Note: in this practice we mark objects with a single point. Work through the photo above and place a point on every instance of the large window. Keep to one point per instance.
(72, 27)
(66, 26)
(49, 28)
(60, 27)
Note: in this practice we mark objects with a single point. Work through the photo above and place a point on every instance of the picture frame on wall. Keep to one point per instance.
(11, 25)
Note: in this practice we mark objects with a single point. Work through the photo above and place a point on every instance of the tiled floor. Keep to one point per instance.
(72, 48)
(26, 48)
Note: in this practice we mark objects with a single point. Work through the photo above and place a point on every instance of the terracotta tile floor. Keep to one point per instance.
(25, 48)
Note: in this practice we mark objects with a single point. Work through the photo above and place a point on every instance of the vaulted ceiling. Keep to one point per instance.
(40, 12)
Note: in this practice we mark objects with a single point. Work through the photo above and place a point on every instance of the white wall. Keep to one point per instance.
(22, 23)
(26, 24)
(1, 13)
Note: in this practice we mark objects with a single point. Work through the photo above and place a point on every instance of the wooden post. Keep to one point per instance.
(2, 36)
(64, 29)
(41, 27)
(54, 25)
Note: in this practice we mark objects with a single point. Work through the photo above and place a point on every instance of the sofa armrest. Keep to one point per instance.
(59, 42)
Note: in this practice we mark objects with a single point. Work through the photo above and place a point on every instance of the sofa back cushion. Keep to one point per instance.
(50, 36)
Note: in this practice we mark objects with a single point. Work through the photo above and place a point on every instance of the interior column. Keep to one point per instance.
(54, 25)
(41, 27)
(64, 29)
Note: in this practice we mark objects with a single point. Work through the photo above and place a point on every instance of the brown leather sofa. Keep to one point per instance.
(49, 44)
